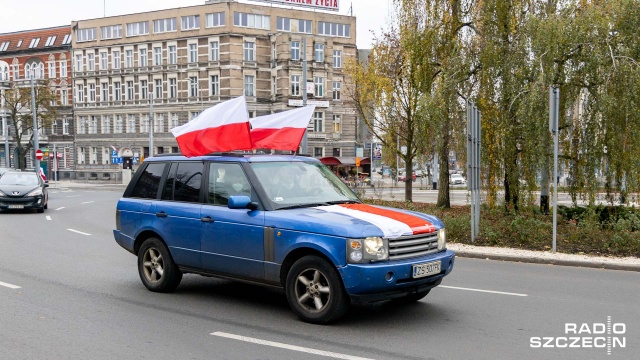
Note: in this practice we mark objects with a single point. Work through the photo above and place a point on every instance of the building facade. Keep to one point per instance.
(153, 71)
(45, 55)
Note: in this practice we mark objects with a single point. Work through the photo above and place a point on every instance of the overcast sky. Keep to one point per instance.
(36, 14)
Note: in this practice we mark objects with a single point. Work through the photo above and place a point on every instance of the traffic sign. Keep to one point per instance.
(39, 154)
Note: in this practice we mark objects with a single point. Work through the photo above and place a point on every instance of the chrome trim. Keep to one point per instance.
(413, 246)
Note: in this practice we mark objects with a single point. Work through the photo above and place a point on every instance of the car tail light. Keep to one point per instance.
(117, 219)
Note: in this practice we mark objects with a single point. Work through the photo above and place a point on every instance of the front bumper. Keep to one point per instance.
(389, 279)
(29, 202)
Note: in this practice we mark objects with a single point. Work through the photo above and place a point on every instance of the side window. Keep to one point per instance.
(167, 192)
(187, 182)
(148, 182)
(226, 180)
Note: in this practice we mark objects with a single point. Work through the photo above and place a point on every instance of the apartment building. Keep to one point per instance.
(153, 71)
(45, 55)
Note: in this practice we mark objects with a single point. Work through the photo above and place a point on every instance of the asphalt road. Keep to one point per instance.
(80, 297)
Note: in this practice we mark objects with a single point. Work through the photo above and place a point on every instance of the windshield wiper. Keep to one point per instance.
(302, 206)
(336, 202)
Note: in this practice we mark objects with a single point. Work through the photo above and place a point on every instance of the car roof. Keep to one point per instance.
(232, 157)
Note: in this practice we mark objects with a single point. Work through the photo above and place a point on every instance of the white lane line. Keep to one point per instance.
(48, 217)
(87, 202)
(288, 347)
(70, 196)
(10, 286)
(79, 232)
(60, 208)
(485, 291)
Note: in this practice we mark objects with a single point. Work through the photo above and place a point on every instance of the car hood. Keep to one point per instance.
(319, 220)
(21, 190)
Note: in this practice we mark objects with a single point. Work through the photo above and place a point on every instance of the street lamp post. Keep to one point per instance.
(36, 146)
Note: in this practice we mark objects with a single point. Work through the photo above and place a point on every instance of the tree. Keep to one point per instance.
(17, 102)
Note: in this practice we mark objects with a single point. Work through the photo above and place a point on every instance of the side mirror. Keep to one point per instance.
(241, 202)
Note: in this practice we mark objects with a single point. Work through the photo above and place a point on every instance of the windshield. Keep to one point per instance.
(301, 184)
(19, 179)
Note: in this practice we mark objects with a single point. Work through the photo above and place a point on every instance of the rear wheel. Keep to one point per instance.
(156, 268)
(315, 292)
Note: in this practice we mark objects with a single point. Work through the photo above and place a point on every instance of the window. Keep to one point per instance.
(92, 92)
(337, 152)
(157, 56)
(129, 90)
(85, 34)
(139, 28)
(116, 91)
(304, 26)
(4, 46)
(194, 114)
(115, 59)
(249, 51)
(193, 86)
(214, 51)
(144, 123)
(143, 89)
(119, 128)
(295, 85)
(251, 20)
(80, 93)
(158, 123)
(283, 24)
(131, 123)
(174, 123)
(193, 53)
(190, 22)
(164, 25)
(65, 41)
(173, 59)
(91, 61)
(318, 123)
(215, 19)
(215, 85)
(142, 57)
(249, 87)
(106, 124)
(337, 58)
(337, 86)
(104, 61)
(65, 124)
(111, 32)
(64, 97)
(147, 185)
(93, 125)
(318, 52)
(318, 82)
(128, 58)
(82, 124)
(63, 68)
(34, 43)
(158, 91)
(19, 43)
(52, 69)
(317, 151)
(337, 124)
(173, 88)
(226, 180)
(333, 29)
(50, 41)
(183, 183)
(81, 155)
(295, 50)
(79, 63)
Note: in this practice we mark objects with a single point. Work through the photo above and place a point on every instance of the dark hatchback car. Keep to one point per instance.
(23, 190)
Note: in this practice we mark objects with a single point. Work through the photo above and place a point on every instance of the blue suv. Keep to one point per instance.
(277, 220)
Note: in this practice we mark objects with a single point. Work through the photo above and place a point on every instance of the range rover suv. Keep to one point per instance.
(277, 220)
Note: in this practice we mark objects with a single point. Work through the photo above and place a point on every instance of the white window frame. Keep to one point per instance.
(104, 97)
(165, 25)
(173, 88)
(337, 124)
(283, 24)
(117, 91)
(214, 50)
(52, 69)
(215, 19)
(138, 28)
(318, 121)
(318, 84)
(193, 86)
(214, 85)
(88, 34)
(295, 85)
(115, 59)
(91, 61)
(144, 89)
(143, 57)
(92, 92)
(130, 90)
(337, 89)
(157, 55)
(249, 51)
(79, 64)
(337, 59)
(249, 85)
(106, 124)
(173, 54)
(63, 68)
(318, 52)
(111, 32)
(128, 58)
(295, 50)
(193, 52)
(104, 60)
(190, 22)
(304, 26)
(157, 89)
(80, 93)
(254, 21)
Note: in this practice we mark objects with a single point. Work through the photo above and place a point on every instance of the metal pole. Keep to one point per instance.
(5, 133)
(36, 146)
(55, 164)
(478, 178)
(304, 144)
(397, 156)
(151, 125)
(556, 110)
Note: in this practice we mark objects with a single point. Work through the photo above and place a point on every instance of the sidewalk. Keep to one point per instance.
(545, 257)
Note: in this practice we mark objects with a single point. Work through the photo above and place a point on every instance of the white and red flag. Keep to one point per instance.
(281, 131)
(223, 127)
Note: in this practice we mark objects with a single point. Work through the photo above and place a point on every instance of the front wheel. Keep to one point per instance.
(156, 268)
(314, 291)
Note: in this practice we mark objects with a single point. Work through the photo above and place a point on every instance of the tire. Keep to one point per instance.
(315, 292)
(411, 298)
(156, 268)
(40, 210)
(46, 206)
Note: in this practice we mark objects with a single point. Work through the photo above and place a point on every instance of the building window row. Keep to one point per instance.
(120, 124)
(284, 24)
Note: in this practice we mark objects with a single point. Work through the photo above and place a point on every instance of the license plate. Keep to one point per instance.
(16, 206)
(422, 270)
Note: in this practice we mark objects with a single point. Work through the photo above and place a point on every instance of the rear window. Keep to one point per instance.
(148, 182)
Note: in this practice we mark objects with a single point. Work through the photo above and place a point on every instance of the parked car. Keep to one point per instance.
(402, 177)
(457, 179)
(23, 190)
(4, 170)
(277, 220)
(419, 173)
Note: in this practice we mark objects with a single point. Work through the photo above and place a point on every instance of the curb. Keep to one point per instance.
(539, 260)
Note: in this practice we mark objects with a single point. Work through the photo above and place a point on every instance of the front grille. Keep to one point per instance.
(413, 246)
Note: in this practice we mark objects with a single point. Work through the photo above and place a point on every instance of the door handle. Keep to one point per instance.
(207, 219)
(161, 214)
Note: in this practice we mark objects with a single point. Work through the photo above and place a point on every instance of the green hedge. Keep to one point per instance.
(609, 231)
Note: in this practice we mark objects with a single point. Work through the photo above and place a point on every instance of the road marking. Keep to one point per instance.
(48, 217)
(60, 208)
(10, 286)
(74, 195)
(288, 347)
(79, 232)
(485, 291)
(87, 202)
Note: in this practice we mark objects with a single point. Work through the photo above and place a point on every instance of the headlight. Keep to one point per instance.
(442, 240)
(35, 192)
(2, 194)
(369, 249)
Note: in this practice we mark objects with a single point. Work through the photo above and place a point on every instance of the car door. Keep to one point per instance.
(232, 239)
(178, 212)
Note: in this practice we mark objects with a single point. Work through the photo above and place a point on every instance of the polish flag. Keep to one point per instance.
(281, 131)
(223, 127)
